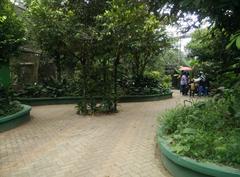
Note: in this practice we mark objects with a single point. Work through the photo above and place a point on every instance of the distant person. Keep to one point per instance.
(207, 86)
(201, 83)
(183, 83)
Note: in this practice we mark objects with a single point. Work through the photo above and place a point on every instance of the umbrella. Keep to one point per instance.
(185, 68)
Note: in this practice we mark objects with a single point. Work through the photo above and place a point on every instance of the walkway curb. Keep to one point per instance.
(14, 120)
(75, 100)
(180, 166)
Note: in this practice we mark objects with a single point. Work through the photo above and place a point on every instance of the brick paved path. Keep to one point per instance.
(59, 143)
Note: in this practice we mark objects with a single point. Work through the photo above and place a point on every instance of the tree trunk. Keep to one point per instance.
(136, 67)
(104, 78)
(115, 75)
(84, 74)
(59, 68)
(143, 66)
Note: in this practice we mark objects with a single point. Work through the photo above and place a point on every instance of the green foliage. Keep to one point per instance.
(92, 106)
(234, 39)
(206, 130)
(200, 42)
(7, 107)
(170, 56)
(11, 37)
(212, 57)
(41, 90)
(135, 35)
(150, 83)
(95, 38)
(10, 108)
(11, 31)
(224, 14)
(209, 45)
(67, 31)
(46, 24)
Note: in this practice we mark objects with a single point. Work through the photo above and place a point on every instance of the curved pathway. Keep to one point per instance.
(59, 143)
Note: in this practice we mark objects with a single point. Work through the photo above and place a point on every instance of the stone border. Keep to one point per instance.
(180, 166)
(75, 100)
(12, 121)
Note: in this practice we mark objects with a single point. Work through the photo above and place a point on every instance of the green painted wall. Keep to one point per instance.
(4, 74)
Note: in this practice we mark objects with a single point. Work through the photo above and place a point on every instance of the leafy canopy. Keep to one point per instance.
(11, 31)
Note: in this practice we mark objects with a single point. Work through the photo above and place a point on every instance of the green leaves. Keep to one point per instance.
(234, 39)
(3, 18)
(207, 130)
(238, 42)
(11, 31)
(203, 45)
(6, 106)
(197, 3)
(189, 131)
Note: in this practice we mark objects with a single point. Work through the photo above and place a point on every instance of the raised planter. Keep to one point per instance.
(142, 98)
(12, 121)
(180, 166)
(74, 100)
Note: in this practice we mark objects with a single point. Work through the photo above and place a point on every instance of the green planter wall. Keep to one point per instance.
(75, 100)
(14, 120)
(4, 74)
(180, 166)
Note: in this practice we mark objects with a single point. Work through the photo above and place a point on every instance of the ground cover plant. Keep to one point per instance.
(8, 107)
(207, 130)
(150, 83)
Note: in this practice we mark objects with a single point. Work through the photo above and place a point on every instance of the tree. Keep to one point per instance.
(99, 36)
(224, 14)
(11, 37)
(131, 30)
(204, 46)
(82, 41)
(224, 17)
(208, 47)
(11, 31)
(148, 41)
(170, 57)
(46, 24)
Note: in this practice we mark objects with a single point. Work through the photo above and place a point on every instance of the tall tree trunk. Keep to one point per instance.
(104, 78)
(59, 68)
(136, 66)
(143, 66)
(84, 74)
(115, 75)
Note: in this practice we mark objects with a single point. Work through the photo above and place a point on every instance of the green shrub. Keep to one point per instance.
(52, 88)
(7, 107)
(87, 106)
(150, 83)
(10, 108)
(91, 105)
(208, 130)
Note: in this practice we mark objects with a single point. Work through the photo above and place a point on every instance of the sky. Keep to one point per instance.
(185, 38)
(173, 32)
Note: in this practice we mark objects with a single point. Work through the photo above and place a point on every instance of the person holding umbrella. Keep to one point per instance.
(184, 79)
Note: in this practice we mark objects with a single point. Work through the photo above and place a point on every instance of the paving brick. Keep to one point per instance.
(57, 142)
